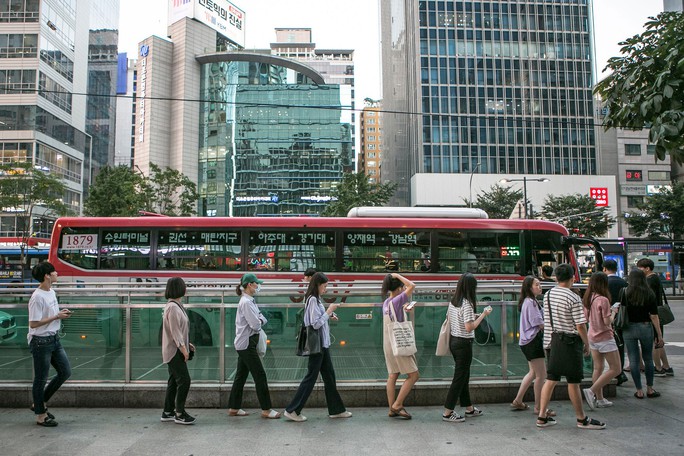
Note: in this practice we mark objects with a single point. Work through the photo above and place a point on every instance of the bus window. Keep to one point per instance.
(386, 251)
(129, 249)
(547, 250)
(78, 247)
(203, 250)
(291, 251)
(479, 252)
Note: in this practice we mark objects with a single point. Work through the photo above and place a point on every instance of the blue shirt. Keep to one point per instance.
(316, 316)
(248, 321)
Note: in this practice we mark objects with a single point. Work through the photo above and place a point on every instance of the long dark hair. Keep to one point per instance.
(638, 291)
(526, 291)
(316, 280)
(466, 289)
(598, 283)
(390, 283)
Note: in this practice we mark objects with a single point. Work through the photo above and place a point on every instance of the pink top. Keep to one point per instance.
(600, 309)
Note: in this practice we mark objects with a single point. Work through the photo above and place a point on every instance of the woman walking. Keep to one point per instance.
(316, 315)
(463, 323)
(400, 290)
(45, 319)
(597, 309)
(176, 351)
(531, 344)
(642, 310)
(248, 323)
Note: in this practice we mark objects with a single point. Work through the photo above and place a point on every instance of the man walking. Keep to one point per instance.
(565, 336)
(615, 285)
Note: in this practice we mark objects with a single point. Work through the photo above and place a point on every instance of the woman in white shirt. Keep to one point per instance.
(248, 323)
(463, 323)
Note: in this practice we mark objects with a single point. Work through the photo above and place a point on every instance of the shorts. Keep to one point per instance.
(534, 349)
(604, 346)
(566, 356)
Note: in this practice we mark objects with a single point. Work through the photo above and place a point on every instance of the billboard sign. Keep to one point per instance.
(600, 195)
(220, 15)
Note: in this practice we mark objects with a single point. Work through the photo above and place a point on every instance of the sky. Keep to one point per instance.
(354, 24)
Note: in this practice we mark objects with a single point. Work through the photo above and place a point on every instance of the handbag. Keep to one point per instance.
(444, 337)
(309, 339)
(621, 320)
(262, 345)
(664, 312)
(565, 347)
(401, 335)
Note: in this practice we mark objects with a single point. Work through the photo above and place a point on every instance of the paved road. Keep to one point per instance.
(648, 426)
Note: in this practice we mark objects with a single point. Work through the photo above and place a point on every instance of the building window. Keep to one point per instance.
(371, 154)
(650, 149)
(370, 129)
(659, 175)
(371, 138)
(632, 149)
(54, 93)
(17, 81)
(633, 175)
(634, 201)
(370, 146)
(371, 164)
(370, 121)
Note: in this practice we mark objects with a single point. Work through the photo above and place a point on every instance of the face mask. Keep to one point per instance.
(258, 288)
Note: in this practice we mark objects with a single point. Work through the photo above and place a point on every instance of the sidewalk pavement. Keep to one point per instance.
(647, 426)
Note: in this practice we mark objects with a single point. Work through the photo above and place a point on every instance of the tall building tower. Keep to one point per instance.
(370, 153)
(491, 88)
(336, 66)
(124, 142)
(44, 57)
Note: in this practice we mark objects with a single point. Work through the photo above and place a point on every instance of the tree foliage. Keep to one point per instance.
(122, 192)
(354, 190)
(646, 87)
(115, 193)
(660, 215)
(25, 191)
(579, 214)
(498, 202)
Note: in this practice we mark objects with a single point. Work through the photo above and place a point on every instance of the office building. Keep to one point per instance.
(493, 88)
(370, 152)
(44, 76)
(124, 141)
(268, 136)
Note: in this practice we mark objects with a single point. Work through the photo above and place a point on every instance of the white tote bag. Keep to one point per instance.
(402, 339)
(262, 344)
(444, 337)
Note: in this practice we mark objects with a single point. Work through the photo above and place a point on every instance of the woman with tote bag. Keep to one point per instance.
(400, 290)
(463, 323)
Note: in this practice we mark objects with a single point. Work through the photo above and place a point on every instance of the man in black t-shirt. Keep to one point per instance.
(662, 365)
(615, 285)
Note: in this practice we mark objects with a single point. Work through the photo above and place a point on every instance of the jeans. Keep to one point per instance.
(47, 351)
(462, 351)
(318, 363)
(639, 334)
(250, 363)
(178, 385)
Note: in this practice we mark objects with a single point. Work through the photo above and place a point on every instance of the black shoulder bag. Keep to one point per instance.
(621, 320)
(565, 348)
(664, 312)
(309, 338)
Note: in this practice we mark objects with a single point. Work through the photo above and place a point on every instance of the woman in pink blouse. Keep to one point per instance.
(601, 340)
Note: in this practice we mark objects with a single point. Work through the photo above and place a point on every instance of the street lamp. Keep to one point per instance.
(524, 180)
(470, 200)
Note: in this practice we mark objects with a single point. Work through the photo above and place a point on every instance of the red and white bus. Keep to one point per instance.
(422, 247)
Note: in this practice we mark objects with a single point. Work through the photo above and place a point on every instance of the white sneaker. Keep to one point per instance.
(590, 397)
(603, 403)
(294, 416)
(346, 414)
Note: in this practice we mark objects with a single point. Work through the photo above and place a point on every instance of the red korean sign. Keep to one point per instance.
(600, 195)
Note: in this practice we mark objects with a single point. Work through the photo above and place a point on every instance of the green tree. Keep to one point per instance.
(646, 86)
(26, 191)
(498, 202)
(579, 214)
(115, 193)
(169, 192)
(660, 215)
(354, 190)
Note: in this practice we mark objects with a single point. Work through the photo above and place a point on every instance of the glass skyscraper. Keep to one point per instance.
(271, 137)
(491, 86)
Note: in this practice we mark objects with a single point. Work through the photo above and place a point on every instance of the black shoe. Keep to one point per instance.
(50, 415)
(184, 418)
(47, 422)
(168, 416)
(660, 373)
(622, 378)
(669, 372)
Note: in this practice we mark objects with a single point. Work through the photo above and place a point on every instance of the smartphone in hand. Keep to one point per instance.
(410, 305)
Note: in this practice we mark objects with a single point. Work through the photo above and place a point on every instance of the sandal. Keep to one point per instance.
(49, 415)
(271, 415)
(637, 395)
(400, 413)
(239, 412)
(652, 394)
(47, 422)
(545, 422)
(590, 423)
(519, 406)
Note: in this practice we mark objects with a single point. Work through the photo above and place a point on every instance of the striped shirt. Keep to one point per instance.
(458, 316)
(567, 311)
